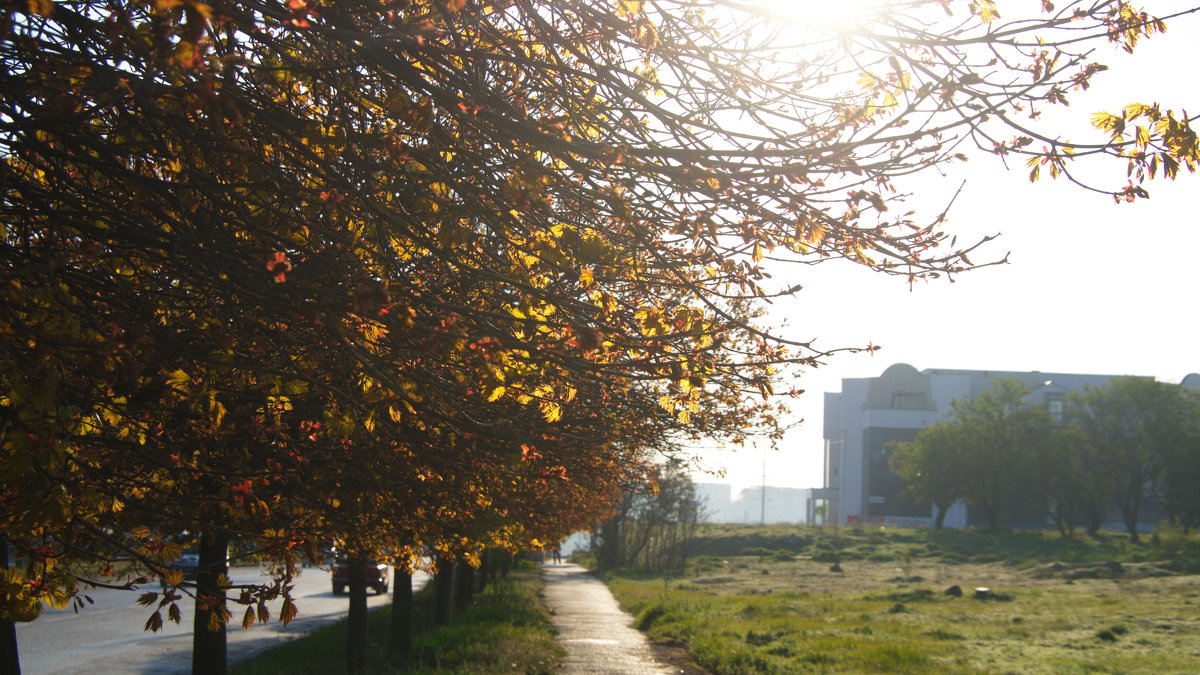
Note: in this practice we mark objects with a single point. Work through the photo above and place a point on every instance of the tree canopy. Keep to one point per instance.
(1117, 448)
(269, 267)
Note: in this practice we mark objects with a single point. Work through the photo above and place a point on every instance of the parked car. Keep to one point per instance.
(375, 573)
(188, 562)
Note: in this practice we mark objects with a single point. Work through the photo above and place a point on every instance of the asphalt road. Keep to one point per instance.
(108, 637)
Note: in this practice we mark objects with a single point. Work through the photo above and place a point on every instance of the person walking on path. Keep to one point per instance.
(598, 635)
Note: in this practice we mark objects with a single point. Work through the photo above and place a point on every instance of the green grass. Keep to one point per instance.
(878, 544)
(505, 630)
(764, 600)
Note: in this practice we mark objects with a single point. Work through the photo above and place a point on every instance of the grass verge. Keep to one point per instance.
(768, 601)
(506, 630)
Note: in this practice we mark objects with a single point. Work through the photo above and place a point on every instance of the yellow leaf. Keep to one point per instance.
(217, 410)
(987, 11)
(1136, 110)
(41, 7)
(1143, 137)
(178, 379)
(550, 410)
(497, 393)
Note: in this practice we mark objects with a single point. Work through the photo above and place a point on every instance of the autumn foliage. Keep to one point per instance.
(419, 273)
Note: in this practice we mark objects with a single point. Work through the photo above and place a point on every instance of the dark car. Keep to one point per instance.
(375, 573)
(188, 562)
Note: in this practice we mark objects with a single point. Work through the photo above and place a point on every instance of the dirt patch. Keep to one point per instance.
(675, 655)
(1104, 570)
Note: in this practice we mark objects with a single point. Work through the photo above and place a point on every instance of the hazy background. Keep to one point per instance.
(1091, 286)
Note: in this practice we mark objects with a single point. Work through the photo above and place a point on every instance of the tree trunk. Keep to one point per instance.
(1094, 520)
(356, 620)
(443, 591)
(486, 562)
(209, 648)
(1129, 513)
(939, 521)
(464, 587)
(993, 515)
(10, 658)
(1131, 526)
(611, 556)
(400, 643)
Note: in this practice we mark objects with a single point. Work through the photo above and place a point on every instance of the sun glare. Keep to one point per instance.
(826, 15)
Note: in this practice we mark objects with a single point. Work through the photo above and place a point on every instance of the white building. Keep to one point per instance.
(754, 505)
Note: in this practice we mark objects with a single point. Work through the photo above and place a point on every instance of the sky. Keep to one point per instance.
(1090, 287)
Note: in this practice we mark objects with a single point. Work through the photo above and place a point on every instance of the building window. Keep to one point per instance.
(1054, 404)
(909, 401)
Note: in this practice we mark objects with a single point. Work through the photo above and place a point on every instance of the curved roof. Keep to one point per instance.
(899, 378)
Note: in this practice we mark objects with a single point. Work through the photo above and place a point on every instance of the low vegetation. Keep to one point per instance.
(506, 630)
(771, 600)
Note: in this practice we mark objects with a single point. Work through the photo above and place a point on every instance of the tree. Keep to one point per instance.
(651, 528)
(1001, 435)
(283, 234)
(1142, 434)
(1178, 487)
(933, 467)
(1066, 482)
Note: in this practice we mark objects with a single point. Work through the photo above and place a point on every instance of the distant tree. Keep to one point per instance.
(1001, 435)
(1066, 484)
(653, 524)
(1142, 436)
(1178, 486)
(932, 467)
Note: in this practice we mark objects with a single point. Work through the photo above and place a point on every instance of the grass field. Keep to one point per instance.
(506, 630)
(767, 600)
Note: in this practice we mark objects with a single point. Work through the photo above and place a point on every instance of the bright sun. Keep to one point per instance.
(827, 15)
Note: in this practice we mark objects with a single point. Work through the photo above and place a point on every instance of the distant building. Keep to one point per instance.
(716, 500)
(870, 412)
(773, 505)
(769, 504)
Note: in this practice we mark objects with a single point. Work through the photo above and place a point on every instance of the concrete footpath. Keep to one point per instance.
(599, 637)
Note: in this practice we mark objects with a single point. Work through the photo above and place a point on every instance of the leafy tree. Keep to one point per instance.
(933, 467)
(1178, 487)
(1142, 434)
(652, 525)
(1001, 435)
(251, 248)
(1066, 482)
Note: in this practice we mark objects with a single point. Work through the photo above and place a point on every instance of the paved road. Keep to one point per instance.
(108, 638)
(598, 635)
